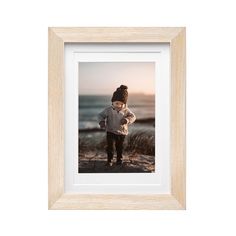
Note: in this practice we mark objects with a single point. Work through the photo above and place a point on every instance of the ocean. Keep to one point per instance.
(143, 106)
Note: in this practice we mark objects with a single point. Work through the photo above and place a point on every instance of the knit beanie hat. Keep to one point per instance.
(121, 94)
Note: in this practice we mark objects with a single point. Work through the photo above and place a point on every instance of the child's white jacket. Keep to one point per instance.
(113, 118)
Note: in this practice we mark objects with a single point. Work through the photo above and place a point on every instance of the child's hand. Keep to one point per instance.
(123, 121)
(102, 124)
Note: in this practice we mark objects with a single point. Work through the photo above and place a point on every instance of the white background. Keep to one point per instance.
(211, 117)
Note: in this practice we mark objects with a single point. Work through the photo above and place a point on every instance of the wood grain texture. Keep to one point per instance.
(117, 34)
(57, 199)
(116, 202)
(55, 117)
(178, 146)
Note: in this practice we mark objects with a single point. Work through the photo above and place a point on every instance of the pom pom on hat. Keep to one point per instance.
(123, 87)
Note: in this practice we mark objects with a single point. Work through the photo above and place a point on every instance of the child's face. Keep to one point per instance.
(118, 105)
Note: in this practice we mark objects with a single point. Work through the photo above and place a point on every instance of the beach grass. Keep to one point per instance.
(140, 141)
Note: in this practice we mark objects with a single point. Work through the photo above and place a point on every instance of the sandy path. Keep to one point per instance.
(94, 162)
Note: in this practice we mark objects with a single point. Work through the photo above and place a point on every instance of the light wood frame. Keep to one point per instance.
(57, 37)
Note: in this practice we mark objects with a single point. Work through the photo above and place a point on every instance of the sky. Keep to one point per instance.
(102, 78)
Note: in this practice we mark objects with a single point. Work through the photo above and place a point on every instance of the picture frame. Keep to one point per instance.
(57, 38)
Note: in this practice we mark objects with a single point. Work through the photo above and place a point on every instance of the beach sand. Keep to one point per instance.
(94, 162)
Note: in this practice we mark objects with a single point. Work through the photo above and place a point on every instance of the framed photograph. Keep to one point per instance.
(116, 118)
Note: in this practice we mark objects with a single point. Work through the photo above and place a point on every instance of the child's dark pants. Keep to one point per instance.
(119, 140)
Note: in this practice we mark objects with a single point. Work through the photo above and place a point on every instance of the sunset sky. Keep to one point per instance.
(102, 78)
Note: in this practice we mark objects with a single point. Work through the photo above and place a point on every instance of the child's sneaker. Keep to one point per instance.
(109, 163)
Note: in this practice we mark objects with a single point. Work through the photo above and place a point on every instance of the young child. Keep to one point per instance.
(116, 119)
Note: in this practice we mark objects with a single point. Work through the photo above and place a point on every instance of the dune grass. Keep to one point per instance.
(140, 141)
